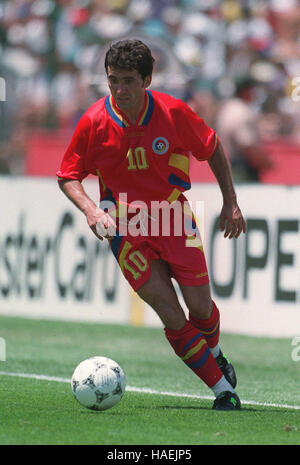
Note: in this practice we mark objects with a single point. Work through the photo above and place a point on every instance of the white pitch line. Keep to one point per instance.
(148, 390)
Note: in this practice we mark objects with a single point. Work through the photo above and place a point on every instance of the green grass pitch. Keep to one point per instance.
(176, 409)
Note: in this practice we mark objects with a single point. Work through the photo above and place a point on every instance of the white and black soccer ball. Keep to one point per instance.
(98, 383)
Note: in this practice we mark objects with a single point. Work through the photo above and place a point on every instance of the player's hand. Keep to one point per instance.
(102, 224)
(232, 221)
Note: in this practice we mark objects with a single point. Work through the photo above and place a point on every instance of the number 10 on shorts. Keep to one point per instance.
(136, 263)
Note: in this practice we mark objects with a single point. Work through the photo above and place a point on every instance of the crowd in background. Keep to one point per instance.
(235, 62)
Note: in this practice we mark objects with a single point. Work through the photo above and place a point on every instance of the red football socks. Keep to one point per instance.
(210, 328)
(191, 346)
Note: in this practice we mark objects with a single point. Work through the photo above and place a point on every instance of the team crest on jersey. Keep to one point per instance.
(160, 145)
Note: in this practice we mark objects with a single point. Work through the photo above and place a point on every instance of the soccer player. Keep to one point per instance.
(139, 142)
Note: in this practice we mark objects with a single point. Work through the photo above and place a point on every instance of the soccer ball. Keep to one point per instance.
(98, 383)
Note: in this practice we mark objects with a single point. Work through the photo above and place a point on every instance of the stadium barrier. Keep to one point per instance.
(51, 266)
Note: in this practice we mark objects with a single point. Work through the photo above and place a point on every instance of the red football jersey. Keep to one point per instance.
(148, 160)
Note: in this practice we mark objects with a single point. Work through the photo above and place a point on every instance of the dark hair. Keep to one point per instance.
(130, 54)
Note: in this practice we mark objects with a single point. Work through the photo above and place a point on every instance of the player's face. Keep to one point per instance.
(127, 88)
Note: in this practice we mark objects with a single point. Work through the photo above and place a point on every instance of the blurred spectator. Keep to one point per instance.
(204, 103)
(53, 50)
(237, 127)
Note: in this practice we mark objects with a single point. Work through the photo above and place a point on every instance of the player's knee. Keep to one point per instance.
(172, 317)
(166, 307)
(161, 304)
(201, 309)
(198, 300)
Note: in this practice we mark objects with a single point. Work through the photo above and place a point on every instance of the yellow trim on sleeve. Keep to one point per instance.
(181, 162)
(101, 179)
(216, 142)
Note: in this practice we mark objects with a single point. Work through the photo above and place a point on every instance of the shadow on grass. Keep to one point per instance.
(138, 407)
(244, 409)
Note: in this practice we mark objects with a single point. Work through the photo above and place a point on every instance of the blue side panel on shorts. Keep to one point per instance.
(116, 244)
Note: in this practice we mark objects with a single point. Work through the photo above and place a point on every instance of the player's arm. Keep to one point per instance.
(202, 141)
(231, 218)
(97, 219)
(74, 168)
